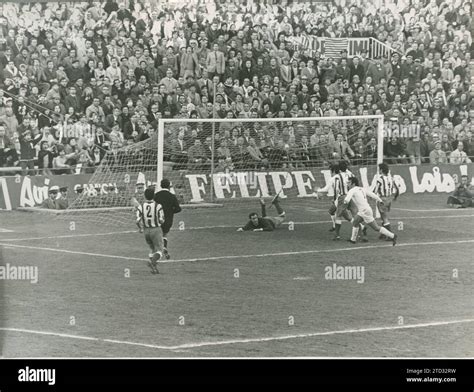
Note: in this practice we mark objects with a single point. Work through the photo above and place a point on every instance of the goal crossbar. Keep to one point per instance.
(279, 119)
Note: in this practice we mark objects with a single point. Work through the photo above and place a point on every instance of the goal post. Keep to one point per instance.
(159, 164)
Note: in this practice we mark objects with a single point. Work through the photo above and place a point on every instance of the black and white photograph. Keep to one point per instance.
(237, 179)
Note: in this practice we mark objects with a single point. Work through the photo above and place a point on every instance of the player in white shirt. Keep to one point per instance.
(358, 196)
(339, 183)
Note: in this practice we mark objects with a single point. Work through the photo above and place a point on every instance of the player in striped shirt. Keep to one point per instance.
(150, 215)
(333, 184)
(388, 191)
(339, 183)
(358, 196)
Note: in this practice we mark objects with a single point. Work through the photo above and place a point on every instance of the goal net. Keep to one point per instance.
(220, 162)
(232, 160)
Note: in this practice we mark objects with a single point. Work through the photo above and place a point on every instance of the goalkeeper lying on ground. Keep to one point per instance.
(265, 223)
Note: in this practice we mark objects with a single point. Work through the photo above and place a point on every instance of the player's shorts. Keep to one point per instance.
(275, 221)
(166, 227)
(367, 215)
(340, 205)
(387, 203)
(154, 237)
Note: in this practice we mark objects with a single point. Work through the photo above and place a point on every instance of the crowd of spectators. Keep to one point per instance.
(79, 81)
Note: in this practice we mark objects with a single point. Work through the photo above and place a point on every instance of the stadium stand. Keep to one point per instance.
(78, 82)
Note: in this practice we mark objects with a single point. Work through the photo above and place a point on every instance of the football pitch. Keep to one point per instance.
(229, 294)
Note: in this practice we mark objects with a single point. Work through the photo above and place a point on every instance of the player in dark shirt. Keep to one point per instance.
(265, 223)
(463, 195)
(171, 206)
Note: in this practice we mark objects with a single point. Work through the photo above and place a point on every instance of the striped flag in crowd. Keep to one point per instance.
(334, 46)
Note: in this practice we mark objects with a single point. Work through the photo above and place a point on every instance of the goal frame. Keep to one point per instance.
(162, 122)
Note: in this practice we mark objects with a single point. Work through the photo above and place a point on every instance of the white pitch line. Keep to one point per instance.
(314, 251)
(69, 236)
(314, 334)
(434, 217)
(71, 252)
(429, 210)
(243, 341)
(230, 257)
(311, 209)
(61, 335)
(392, 218)
(214, 227)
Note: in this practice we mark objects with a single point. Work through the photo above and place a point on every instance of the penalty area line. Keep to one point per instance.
(242, 341)
(215, 227)
(328, 221)
(315, 251)
(315, 334)
(429, 210)
(69, 236)
(233, 257)
(73, 252)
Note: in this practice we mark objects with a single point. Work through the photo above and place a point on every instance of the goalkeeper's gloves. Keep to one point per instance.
(240, 229)
(257, 229)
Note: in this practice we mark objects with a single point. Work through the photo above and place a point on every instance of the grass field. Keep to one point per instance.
(229, 294)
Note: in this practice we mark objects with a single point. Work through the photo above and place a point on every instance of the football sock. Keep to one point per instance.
(264, 211)
(338, 228)
(355, 231)
(386, 233)
(387, 226)
(333, 219)
(165, 242)
(278, 207)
